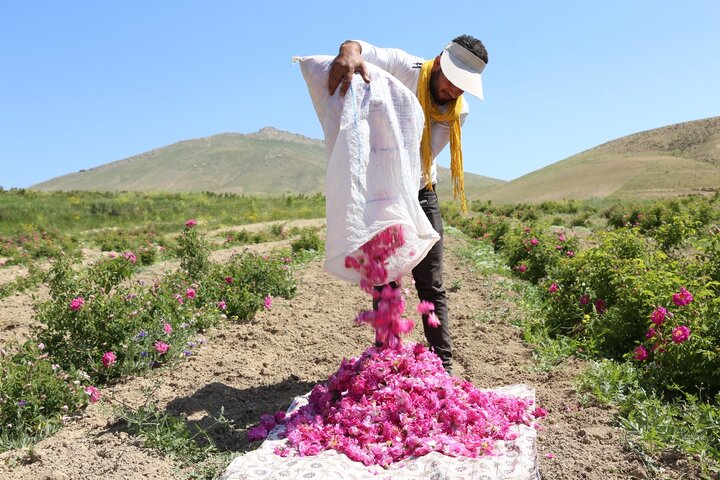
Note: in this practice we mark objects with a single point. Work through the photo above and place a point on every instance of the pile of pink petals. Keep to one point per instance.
(392, 404)
(397, 401)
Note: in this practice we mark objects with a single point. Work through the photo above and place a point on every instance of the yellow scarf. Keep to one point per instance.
(451, 116)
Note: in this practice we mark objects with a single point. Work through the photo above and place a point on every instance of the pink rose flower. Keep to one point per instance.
(190, 293)
(425, 307)
(683, 298)
(94, 394)
(77, 303)
(539, 413)
(161, 347)
(130, 257)
(680, 334)
(641, 353)
(585, 299)
(228, 280)
(658, 315)
(108, 359)
(600, 306)
(190, 223)
(534, 241)
(522, 268)
(268, 302)
(553, 288)
(222, 305)
(167, 328)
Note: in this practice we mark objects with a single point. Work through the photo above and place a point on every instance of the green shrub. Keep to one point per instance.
(532, 251)
(193, 251)
(243, 282)
(309, 240)
(35, 394)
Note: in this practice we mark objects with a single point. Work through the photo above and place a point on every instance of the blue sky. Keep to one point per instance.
(86, 83)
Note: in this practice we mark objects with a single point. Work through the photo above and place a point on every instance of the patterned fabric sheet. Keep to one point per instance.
(515, 460)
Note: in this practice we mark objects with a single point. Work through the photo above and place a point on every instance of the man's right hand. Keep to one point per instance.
(348, 62)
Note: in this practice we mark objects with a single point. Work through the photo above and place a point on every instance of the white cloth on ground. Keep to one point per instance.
(513, 460)
(372, 137)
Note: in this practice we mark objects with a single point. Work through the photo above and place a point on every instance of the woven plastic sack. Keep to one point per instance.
(372, 137)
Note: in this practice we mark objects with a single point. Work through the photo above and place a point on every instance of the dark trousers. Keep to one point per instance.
(429, 283)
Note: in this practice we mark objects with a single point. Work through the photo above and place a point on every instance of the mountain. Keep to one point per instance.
(267, 162)
(674, 160)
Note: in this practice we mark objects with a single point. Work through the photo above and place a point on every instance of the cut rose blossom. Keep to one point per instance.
(425, 307)
(109, 359)
(641, 353)
(392, 404)
(94, 394)
(680, 334)
(683, 298)
(539, 412)
(433, 320)
(77, 303)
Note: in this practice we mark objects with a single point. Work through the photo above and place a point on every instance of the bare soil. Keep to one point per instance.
(259, 366)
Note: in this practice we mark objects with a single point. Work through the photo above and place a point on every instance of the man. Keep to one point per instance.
(438, 85)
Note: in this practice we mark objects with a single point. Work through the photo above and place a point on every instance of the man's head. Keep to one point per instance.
(458, 69)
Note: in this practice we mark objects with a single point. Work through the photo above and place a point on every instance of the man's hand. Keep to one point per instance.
(348, 62)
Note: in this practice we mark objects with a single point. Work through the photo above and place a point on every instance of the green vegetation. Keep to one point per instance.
(638, 293)
(632, 286)
(100, 326)
(70, 214)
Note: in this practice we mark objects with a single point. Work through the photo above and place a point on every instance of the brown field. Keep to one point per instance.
(259, 366)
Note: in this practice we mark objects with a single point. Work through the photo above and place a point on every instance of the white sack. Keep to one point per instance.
(372, 137)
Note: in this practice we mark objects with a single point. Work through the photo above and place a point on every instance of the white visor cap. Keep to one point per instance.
(462, 68)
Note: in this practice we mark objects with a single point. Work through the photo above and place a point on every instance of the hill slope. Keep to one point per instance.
(673, 160)
(268, 162)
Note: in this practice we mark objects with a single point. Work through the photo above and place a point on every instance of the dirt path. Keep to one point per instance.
(259, 366)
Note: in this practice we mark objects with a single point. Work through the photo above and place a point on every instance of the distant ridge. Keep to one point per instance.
(263, 163)
(679, 159)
